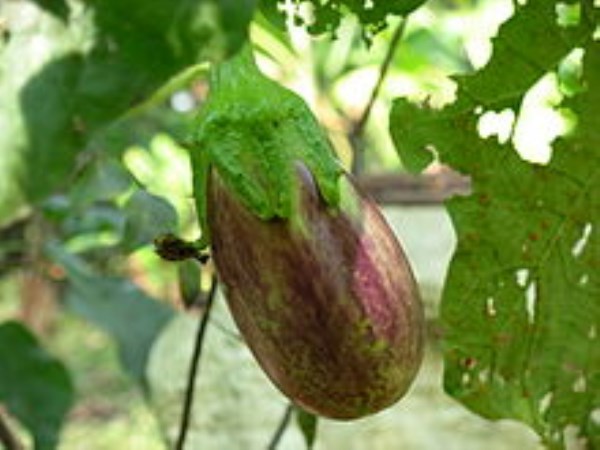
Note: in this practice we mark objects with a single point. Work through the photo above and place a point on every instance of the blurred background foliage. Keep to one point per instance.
(94, 113)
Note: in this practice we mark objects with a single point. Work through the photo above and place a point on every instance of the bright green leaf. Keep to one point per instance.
(34, 385)
(520, 306)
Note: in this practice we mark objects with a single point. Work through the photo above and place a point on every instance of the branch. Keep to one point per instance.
(359, 126)
(194, 365)
(7, 437)
(414, 190)
(283, 423)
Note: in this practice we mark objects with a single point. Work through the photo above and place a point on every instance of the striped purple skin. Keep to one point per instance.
(326, 300)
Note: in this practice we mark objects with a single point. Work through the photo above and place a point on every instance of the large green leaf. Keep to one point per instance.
(34, 386)
(68, 72)
(117, 306)
(520, 306)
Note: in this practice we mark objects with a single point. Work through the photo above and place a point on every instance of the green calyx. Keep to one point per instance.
(253, 132)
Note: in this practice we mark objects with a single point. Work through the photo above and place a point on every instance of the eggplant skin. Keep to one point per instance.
(325, 299)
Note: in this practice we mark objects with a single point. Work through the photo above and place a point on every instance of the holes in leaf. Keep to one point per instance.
(592, 333)
(530, 301)
(540, 121)
(568, 15)
(584, 279)
(499, 124)
(483, 376)
(579, 385)
(595, 416)
(578, 247)
(545, 403)
(522, 275)
(478, 33)
(465, 380)
(490, 307)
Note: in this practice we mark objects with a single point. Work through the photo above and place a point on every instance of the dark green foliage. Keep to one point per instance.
(34, 386)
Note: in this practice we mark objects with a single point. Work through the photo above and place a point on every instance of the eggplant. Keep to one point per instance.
(324, 298)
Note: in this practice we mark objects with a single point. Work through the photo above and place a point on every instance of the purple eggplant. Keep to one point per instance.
(324, 298)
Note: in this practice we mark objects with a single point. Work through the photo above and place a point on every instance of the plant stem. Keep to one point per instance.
(194, 365)
(359, 126)
(7, 437)
(283, 423)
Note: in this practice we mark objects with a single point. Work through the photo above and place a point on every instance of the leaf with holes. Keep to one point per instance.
(520, 306)
(327, 16)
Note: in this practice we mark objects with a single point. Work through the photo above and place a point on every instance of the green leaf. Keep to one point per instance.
(103, 180)
(189, 276)
(307, 423)
(67, 73)
(147, 216)
(117, 306)
(418, 133)
(34, 385)
(520, 306)
(327, 15)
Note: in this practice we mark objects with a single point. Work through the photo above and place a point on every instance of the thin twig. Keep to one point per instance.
(7, 437)
(359, 126)
(283, 423)
(194, 365)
